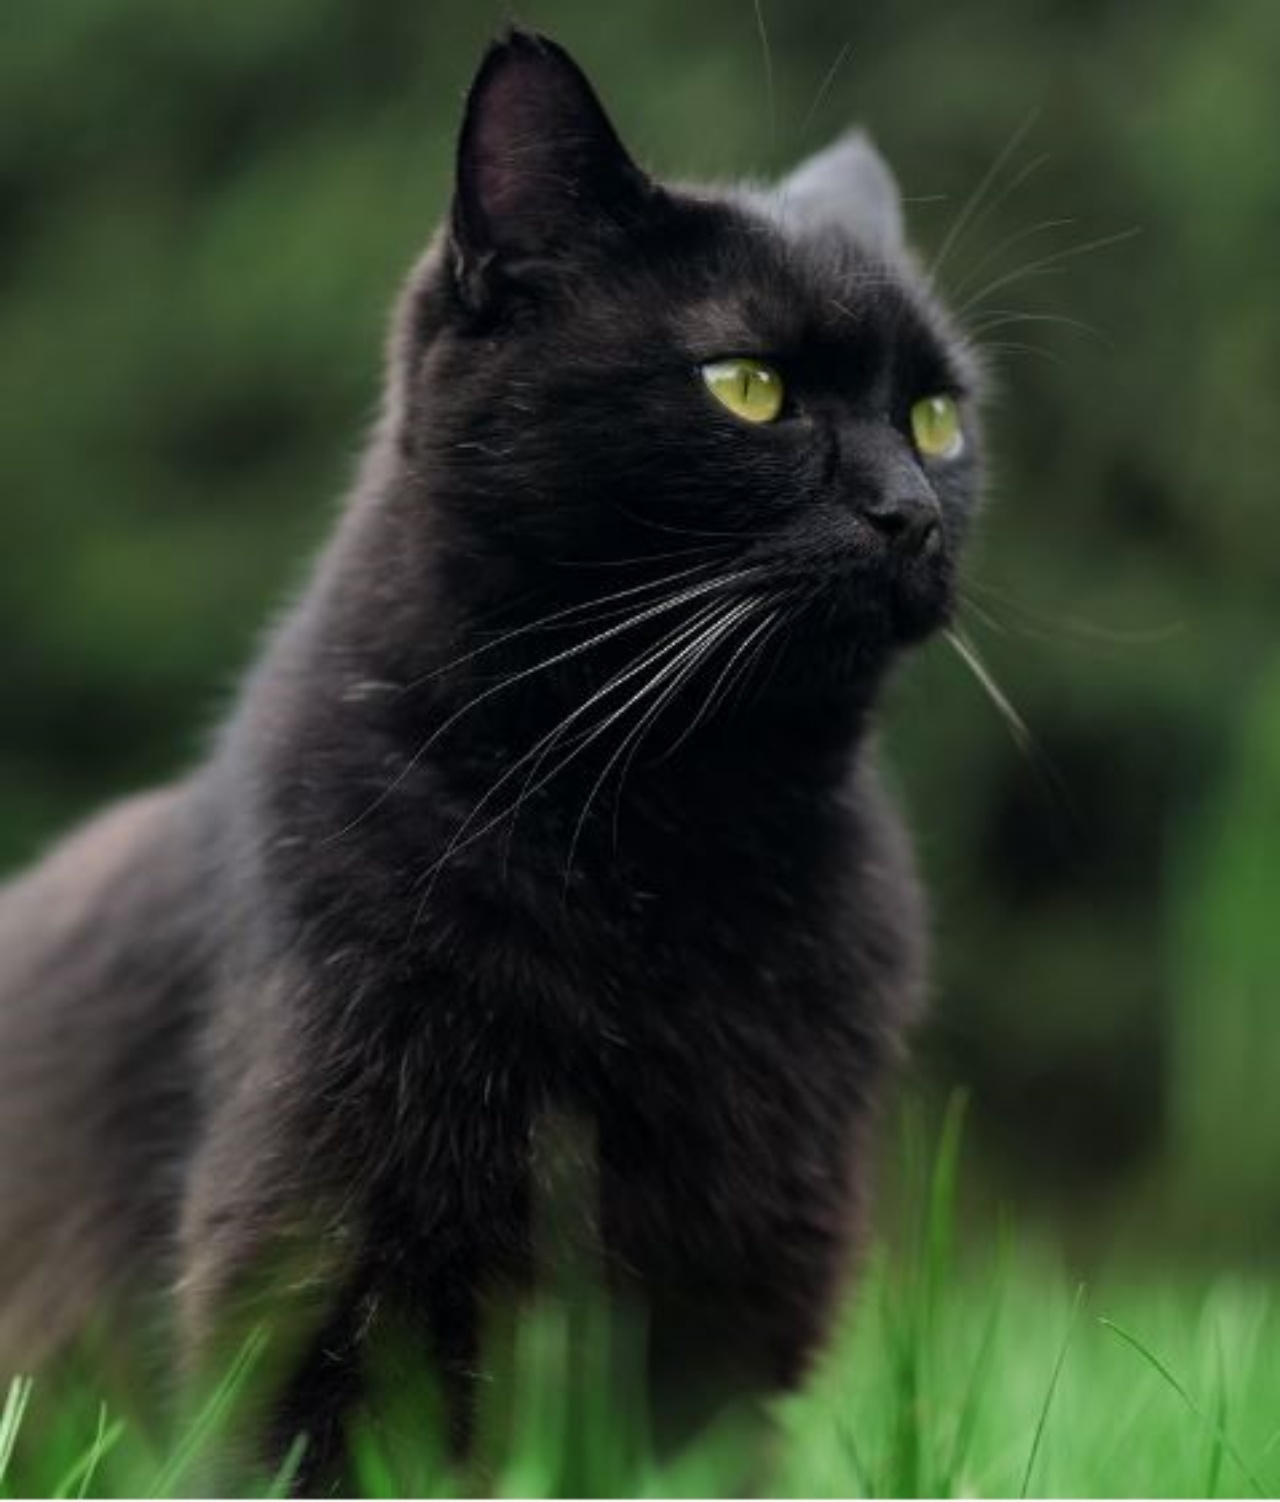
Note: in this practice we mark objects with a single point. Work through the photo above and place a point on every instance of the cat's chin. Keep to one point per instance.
(922, 601)
(839, 647)
(864, 607)
(882, 610)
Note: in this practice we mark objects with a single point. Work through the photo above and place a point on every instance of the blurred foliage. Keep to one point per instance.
(1226, 1033)
(203, 215)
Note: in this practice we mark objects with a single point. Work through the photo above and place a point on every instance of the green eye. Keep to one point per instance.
(750, 389)
(936, 427)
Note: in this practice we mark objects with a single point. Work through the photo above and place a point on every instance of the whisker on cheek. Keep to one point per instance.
(462, 839)
(968, 654)
(512, 679)
(678, 672)
(717, 689)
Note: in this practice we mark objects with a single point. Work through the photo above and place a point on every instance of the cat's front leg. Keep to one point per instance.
(271, 1291)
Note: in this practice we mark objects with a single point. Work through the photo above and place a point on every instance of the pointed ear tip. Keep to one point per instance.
(853, 150)
(857, 139)
(510, 43)
(848, 185)
(856, 151)
(515, 51)
(519, 43)
(516, 38)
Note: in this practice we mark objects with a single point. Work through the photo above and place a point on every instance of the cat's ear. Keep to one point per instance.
(849, 188)
(539, 164)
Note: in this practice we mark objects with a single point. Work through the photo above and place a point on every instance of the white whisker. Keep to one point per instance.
(637, 739)
(668, 644)
(974, 202)
(693, 592)
(682, 667)
(461, 840)
(574, 614)
(1004, 247)
(968, 654)
(1042, 267)
(824, 87)
(711, 699)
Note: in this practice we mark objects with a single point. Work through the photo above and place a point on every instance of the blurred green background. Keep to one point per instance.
(204, 212)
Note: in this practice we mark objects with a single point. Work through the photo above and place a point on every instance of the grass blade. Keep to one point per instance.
(80, 1476)
(212, 1415)
(1050, 1392)
(15, 1405)
(283, 1482)
(967, 1421)
(1224, 1438)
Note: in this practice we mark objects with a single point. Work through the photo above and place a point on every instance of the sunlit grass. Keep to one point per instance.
(1007, 1379)
(984, 1370)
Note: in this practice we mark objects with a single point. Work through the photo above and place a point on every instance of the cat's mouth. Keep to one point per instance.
(922, 594)
(876, 594)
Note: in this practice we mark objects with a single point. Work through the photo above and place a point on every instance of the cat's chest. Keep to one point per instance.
(522, 972)
(594, 966)
(687, 1026)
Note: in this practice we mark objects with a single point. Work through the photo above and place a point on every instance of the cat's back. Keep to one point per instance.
(100, 975)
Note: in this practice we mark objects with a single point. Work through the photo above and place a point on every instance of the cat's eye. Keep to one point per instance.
(936, 427)
(750, 389)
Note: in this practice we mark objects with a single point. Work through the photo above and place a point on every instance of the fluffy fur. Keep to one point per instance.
(550, 802)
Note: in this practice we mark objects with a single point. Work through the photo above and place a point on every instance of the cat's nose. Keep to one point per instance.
(909, 522)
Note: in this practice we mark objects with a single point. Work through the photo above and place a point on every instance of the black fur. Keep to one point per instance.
(294, 1028)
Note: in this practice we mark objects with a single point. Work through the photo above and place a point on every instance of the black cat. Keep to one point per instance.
(550, 802)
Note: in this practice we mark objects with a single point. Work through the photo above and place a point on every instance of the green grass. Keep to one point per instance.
(988, 1370)
(993, 1372)
(1007, 1379)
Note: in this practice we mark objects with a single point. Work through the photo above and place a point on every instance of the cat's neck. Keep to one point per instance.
(422, 696)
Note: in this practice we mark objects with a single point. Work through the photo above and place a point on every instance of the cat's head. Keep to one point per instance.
(610, 382)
